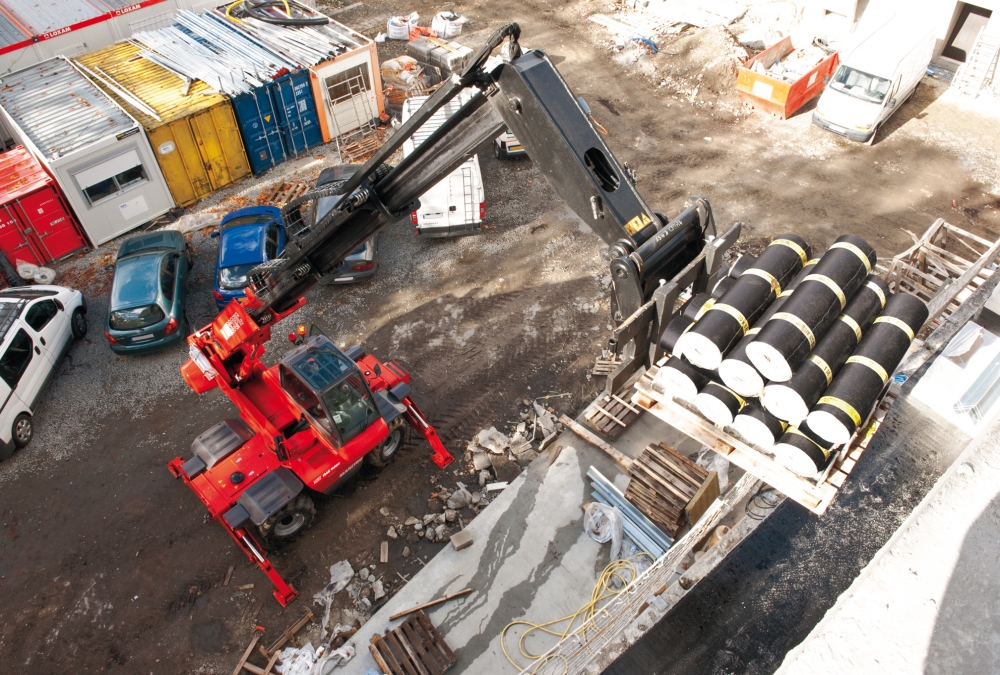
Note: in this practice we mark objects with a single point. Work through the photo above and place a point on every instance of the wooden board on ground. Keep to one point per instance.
(282, 193)
(415, 646)
(814, 493)
(664, 483)
(611, 414)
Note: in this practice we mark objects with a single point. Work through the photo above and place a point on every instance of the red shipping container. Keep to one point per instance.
(36, 223)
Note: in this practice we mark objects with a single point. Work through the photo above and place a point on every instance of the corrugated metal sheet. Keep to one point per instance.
(42, 16)
(59, 109)
(196, 139)
(9, 32)
(20, 173)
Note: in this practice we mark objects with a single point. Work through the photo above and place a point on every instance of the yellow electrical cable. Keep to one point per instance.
(229, 10)
(616, 570)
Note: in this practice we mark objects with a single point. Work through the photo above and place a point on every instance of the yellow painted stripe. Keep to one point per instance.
(735, 313)
(798, 323)
(856, 251)
(898, 323)
(878, 291)
(792, 245)
(829, 283)
(853, 324)
(873, 365)
(775, 286)
(843, 406)
(822, 366)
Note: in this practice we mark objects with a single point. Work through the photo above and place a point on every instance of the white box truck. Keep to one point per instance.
(456, 205)
(874, 79)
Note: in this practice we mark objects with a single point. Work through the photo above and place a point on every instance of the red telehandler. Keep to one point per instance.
(306, 423)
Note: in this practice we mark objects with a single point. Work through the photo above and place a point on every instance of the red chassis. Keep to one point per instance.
(227, 354)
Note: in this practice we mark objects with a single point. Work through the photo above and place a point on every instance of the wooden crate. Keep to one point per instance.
(611, 414)
(413, 648)
(670, 488)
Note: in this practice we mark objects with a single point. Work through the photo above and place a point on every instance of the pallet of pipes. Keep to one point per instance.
(795, 351)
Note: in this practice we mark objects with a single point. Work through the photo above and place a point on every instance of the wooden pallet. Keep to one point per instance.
(358, 151)
(605, 366)
(413, 648)
(665, 483)
(282, 193)
(611, 415)
(815, 493)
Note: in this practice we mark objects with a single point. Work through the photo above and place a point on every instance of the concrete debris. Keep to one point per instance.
(429, 534)
(435, 505)
(460, 499)
(492, 440)
(526, 458)
(480, 461)
(484, 478)
(378, 591)
(521, 428)
(384, 511)
(366, 603)
(440, 532)
(429, 518)
(364, 574)
(450, 515)
(439, 518)
(391, 533)
(406, 551)
(460, 485)
(477, 497)
(461, 540)
(418, 527)
(494, 487)
(411, 521)
(505, 469)
(525, 402)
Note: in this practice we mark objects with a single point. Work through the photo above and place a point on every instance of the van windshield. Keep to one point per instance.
(860, 85)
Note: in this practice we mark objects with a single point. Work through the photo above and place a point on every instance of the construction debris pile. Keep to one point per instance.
(791, 351)
(794, 66)
(507, 455)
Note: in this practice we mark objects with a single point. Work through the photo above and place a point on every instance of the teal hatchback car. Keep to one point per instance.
(146, 310)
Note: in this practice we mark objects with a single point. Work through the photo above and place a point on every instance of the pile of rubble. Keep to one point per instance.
(504, 455)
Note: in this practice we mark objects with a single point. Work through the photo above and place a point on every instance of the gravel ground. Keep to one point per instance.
(104, 562)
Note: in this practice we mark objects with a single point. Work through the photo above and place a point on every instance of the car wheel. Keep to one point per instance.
(23, 430)
(79, 323)
(497, 152)
(386, 450)
(289, 521)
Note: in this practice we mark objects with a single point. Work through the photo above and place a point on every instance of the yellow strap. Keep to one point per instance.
(843, 406)
(853, 324)
(898, 323)
(735, 313)
(795, 430)
(792, 245)
(822, 366)
(865, 361)
(856, 251)
(704, 308)
(775, 286)
(798, 323)
(829, 283)
(878, 291)
(738, 397)
(812, 261)
(753, 331)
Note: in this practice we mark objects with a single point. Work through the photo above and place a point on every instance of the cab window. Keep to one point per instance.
(40, 313)
(16, 359)
(305, 398)
(350, 406)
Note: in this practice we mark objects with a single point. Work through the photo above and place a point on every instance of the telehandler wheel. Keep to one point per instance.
(289, 522)
(386, 450)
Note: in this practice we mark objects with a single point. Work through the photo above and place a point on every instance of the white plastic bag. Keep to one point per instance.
(399, 27)
(341, 574)
(44, 275)
(710, 460)
(447, 24)
(26, 270)
(604, 523)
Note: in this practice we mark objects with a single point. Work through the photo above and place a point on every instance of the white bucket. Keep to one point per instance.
(398, 27)
(447, 24)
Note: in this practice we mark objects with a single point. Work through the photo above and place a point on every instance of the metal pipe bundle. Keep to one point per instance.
(792, 400)
(677, 378)
(785, 341)
(730, 318)
(856, 388)
(759, 426)
(802, 451)
(736, 370)
(719, 404)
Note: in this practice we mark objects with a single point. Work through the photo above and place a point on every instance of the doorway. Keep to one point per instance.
(967, 26)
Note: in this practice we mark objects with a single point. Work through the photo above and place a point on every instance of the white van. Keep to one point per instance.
(456, 205)
(875, 79)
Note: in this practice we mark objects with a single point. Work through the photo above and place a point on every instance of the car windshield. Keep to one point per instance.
(860, 85)
(235, 277)
(259, 219)
(135, 318)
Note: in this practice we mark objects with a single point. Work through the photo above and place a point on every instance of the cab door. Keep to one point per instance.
(24, 368)
(49, 324)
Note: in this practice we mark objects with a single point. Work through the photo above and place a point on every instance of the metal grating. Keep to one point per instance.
(59, 109)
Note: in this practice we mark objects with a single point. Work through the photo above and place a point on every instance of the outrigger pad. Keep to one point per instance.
(193, 467)
(387, 408)
(269, 493)
(236, 516)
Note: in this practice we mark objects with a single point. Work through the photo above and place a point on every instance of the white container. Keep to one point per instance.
(398, 27)
(447, 24)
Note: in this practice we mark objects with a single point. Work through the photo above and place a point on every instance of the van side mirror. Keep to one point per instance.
(892, 103)
(215, 234)
(109, 268)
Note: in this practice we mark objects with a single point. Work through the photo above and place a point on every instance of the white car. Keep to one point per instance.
(37, 326)
(506, 146)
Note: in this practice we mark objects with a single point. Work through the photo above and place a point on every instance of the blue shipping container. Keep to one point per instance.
(278, 120)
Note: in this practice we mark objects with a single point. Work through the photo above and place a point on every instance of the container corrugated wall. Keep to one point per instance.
(196, 140)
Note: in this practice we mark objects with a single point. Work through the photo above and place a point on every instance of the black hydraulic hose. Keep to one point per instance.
(253, 9)
(511, 30)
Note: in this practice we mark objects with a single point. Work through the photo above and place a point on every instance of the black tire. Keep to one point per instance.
(498, 153)
(22, 431)
(387, 449)
(289, 522)
(78, 323)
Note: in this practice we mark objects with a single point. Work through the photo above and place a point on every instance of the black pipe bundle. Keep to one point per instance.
(719, 404)
(679, 379)
(696, 307)
(856, 388)
(792, 400)
(802, 451)
(783, 344)
(736, 370)
(744, 263)
(722, 287)
(730, 318)
(674, 330)
(759, 426)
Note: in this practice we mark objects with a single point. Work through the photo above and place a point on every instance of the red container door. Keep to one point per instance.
(13, 241)
(53, 226)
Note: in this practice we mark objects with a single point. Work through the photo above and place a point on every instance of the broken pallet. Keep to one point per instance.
(282, 193)
(413, 648)
(360, 150)
(611, 414)
(670, 488)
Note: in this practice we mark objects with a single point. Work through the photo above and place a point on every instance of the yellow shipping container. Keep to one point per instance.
(196, 138)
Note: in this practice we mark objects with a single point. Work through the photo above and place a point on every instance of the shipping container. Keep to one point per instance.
(95, 150)
(36, 223)
(775, 94)
(192, 129)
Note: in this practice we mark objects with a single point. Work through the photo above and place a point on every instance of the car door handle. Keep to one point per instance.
(37, 350)
(42, 340)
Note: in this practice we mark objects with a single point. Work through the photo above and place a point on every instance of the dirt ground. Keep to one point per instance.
(105, 563)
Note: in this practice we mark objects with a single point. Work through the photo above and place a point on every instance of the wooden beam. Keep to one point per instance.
(246, 655)
(596, 441)
(411, 610)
